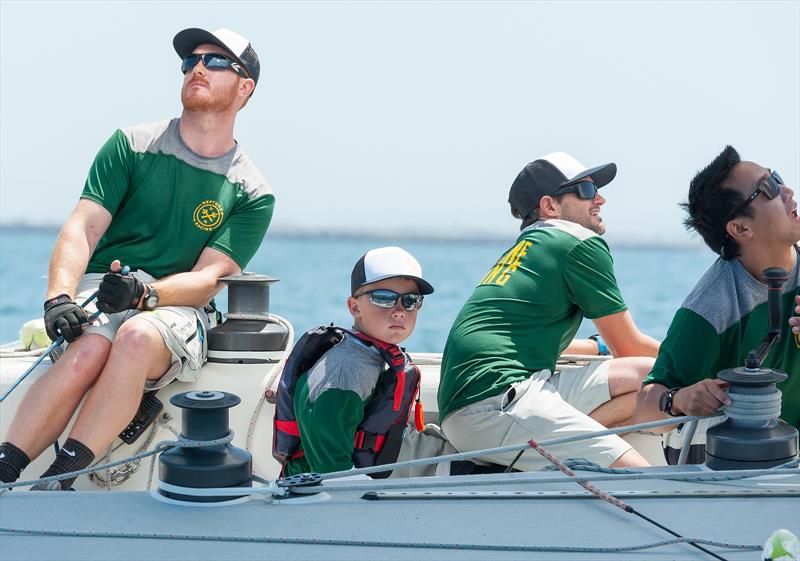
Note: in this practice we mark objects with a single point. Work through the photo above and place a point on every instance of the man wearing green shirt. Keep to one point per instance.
(748, 216)
(499, 380)
(182, 205)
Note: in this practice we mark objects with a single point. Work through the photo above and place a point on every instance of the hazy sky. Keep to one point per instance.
(415, 116)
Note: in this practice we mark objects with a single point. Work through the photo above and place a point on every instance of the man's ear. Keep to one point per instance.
(738, 229)
(549, 207)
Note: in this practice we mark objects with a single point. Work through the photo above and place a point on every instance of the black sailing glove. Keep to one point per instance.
(119, 292)
(64, 317)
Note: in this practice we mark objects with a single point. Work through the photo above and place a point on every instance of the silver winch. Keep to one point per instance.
(753, 436)
(247, 335)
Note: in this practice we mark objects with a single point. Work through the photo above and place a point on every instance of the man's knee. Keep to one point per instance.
(83, 360)
(140, 342)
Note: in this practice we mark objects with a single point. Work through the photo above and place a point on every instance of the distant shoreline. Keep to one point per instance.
(348, 235)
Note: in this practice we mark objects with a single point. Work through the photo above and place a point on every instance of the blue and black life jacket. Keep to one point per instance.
(380, 433)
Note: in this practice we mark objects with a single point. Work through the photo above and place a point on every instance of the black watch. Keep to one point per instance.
(665, 402)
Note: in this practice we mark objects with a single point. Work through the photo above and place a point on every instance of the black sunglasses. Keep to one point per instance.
(770, 186)
(388, 299)
(584, 190)
(213, 61)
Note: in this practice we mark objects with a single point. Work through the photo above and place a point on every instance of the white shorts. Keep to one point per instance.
(542, 407)
(183, 329)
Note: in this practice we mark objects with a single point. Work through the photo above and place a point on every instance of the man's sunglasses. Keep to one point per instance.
(388, 299)
(770, 186)
(213, 61)
(583, 189)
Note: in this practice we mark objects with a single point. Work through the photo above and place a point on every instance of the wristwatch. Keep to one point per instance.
(602, 348)
(665, 402)
(151, 300)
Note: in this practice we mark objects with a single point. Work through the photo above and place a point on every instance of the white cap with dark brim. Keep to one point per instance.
(239, 47)
(384, 263)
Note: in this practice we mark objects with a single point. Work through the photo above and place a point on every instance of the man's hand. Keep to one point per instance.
(703, 398)
(794, 321)
(62, 316)
(119, 292)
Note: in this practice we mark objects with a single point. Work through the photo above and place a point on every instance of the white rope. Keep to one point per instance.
(512, 448)
(22, 353)
(270, 379)
(753, 405)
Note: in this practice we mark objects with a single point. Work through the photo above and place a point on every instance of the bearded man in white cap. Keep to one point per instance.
(500, 383)
(180, 205)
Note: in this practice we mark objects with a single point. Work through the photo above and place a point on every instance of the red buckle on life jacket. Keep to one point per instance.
(369, 441)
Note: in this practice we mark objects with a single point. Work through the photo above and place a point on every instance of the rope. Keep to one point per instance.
(611, 499)
(276, 372)
(686, 442)
(160, 447)
(753, 404)
(379, 544)
(511, 448)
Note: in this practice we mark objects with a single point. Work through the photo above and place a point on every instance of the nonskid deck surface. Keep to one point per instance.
(470, 517)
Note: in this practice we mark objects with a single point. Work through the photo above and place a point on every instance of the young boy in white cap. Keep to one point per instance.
(345, 396)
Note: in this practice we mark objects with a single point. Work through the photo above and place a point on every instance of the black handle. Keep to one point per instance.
(775, 277)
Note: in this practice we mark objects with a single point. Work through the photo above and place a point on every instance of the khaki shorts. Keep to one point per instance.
(542, 407)
(183, 329)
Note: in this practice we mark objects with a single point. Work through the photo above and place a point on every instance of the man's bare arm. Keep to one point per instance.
(581, 347)
(703, 398)
(76, 243)
(623, 338)
(196, 287)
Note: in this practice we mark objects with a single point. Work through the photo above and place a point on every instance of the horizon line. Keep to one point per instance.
(488, 237)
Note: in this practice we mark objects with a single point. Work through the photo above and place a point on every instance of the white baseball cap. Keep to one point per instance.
(384, 263)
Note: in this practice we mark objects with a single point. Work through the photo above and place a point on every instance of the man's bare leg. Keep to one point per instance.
(138, 354)
(625, 377)
(49, 404)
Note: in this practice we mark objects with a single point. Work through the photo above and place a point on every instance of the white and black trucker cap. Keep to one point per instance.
(239, 47)
(384, 263)
(548, 174)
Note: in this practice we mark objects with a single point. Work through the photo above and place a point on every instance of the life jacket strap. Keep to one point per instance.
(369, 441)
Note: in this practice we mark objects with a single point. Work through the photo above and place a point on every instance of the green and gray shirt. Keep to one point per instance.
(526, 310)
(329, 404)
(169, 203)
(722, 319)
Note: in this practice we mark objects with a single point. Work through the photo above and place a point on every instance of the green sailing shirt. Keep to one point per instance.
(722, 319)
(329, 404)
(526, 310)
(169, 203)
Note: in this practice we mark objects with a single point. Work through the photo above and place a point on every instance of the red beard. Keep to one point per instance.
(212, 100)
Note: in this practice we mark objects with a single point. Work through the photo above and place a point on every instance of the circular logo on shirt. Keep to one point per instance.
(208, 215)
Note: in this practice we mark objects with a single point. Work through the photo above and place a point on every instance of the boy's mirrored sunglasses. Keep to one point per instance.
(388, 299)
(213, 61)
(770, 186)
(583, 189)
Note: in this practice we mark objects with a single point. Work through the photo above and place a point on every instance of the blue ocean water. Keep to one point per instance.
(314, 282)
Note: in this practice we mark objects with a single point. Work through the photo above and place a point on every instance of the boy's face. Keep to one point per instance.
(393, 325)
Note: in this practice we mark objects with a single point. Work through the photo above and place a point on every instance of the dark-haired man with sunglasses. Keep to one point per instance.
(181, 205)
(748, 216)
(499, 383)
(345, 396)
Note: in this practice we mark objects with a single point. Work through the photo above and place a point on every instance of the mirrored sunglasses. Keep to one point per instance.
(770, 186)
(213, 61)
(388, 299)
(583, 189)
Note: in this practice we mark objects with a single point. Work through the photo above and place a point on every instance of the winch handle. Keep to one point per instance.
(775, 277)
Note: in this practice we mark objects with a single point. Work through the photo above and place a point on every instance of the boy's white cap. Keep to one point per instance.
(384, 263)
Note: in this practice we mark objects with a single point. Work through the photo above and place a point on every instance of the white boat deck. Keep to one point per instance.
(508, 516)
